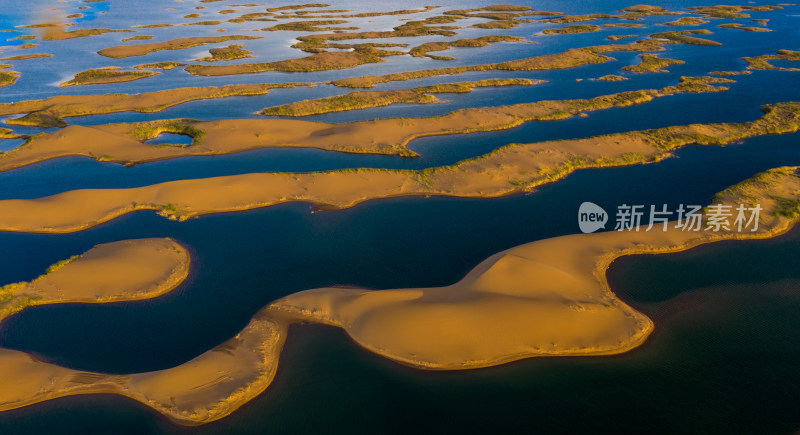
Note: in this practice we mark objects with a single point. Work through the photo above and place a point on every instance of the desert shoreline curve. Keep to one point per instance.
(565, 274)
(359, 217)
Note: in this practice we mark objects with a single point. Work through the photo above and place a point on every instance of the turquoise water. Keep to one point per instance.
(722, 360)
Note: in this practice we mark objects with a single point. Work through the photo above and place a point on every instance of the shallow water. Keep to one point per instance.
(724, 355)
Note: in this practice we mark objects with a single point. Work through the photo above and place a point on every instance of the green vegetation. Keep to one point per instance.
(500, 24)
(739, 26)
(579, 28)
(310, 26)
(683, 38)
(8, 78)
(317, 62)
(56, 34)
(55, 267)
(138, 38)
(233, 51)
(27, 56)
(145, 131)
(369, 99)
(424, 49)
(730, 73)
(160, 65)
(106, 75)
(611, 78)
(651, 63)
(630, 13)
(762, 62)
(203, 23)
(723, 11)
(567, 59)
(38, 119)
(298, 6)
(48, 112)
(687, 21)
(618, 37)
(175, 44)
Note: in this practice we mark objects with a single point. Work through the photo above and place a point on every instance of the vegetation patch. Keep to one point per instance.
(651, 63)
(233, 51)
(106, 75)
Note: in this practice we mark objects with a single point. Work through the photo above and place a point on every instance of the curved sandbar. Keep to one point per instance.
(123, 143)
(546, 298)
(112, 272)
(507, 170)
(201, 390)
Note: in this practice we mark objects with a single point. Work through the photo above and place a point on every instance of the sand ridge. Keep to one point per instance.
(508, 170)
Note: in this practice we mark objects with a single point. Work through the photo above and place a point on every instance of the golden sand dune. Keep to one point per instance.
(204, 389)
(123, 143)
(544, 298)
(511, 169)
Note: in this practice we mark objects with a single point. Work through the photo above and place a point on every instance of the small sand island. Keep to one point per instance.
(546, 298)
(112, 74)
(112, 272)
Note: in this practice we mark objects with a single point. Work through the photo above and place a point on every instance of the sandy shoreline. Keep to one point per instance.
(511, 169)
(545, 298)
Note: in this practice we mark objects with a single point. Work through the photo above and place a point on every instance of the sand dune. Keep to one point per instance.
(544, 298)
(511, 169)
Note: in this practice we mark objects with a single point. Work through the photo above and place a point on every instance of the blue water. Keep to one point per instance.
(724, 355)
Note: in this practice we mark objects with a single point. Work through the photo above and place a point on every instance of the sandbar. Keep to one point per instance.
(511, 169)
